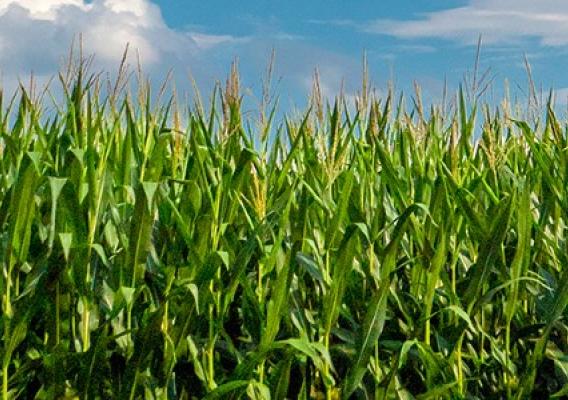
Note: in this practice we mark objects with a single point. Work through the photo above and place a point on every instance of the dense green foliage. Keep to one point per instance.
(371, 252)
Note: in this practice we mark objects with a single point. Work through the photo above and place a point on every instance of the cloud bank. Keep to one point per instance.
(498, 21)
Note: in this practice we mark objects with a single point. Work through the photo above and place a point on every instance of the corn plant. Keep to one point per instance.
(372, 252)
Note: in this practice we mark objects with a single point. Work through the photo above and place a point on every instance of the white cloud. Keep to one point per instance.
(36, 35)
(140, 8)
(498, 21)
(44, 9)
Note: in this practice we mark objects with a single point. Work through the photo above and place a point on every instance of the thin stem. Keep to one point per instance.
(5, 381)
(85, 336)
(459, 365)
(134, 384)
(211, 351)
(507, 377)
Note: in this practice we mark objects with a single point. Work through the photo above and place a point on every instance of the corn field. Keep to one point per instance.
(375, 251)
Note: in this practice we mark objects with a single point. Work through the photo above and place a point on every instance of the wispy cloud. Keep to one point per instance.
(334, 22)
(413, 48)
(561, 96)
(206, 41)
(498, 21)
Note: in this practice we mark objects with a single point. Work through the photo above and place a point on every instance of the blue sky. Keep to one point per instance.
(405, 41)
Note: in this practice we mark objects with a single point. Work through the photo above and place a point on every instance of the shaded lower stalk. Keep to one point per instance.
(57, 313)
(326, 369)
(377, 378)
